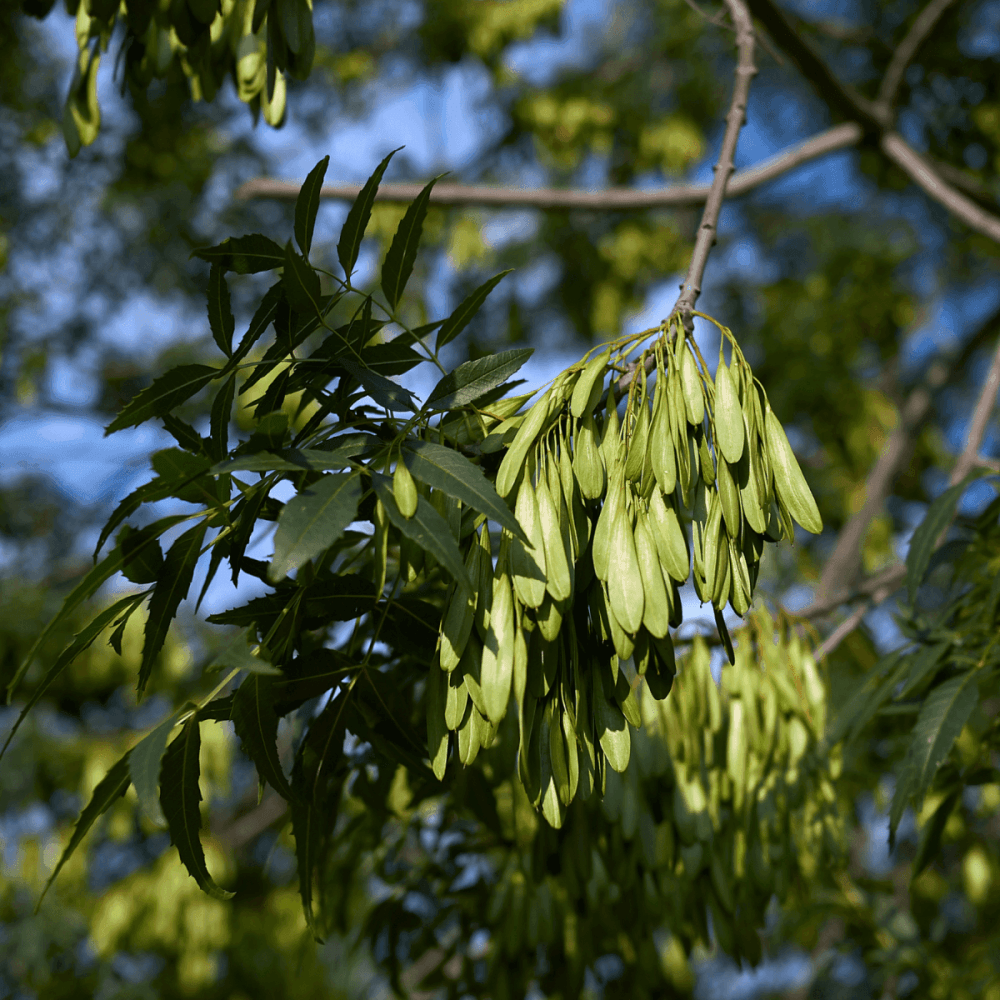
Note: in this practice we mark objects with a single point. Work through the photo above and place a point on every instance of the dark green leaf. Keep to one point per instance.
(178, 569)
(236, 655)
(256, 725)
(183, 475)
(314, 804)
(448, 471)
(219, 550)
(81, 641)
(262, 319)
(183, 433)
(86, 588)
(244, 254)
(220, 313)
(307, 203)
(306, 459)
(938, 515)
(467, 308)
(169, 390)
(945, 712)
(402, 252)
(313, 521)
(930, 835)
(180, 797)
(142, 556)
(427, 528)
(222, 411)
(391, 359)
(245, 515)
(357, 218)
(387, 394)
(144, 767)
(861, 707)
(301, 283)
(110, 788)
(922, 665)
(471, 380)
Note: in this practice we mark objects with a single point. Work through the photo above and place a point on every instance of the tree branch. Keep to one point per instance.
(735, 118)
(874, 117)
(907, 49)
(923, 175)
(980, 418)
(612, 200)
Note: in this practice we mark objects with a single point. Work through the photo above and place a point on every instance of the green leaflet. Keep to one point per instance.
(313, 521)
(789, 483)
(244, 254)
(451, 472)
(109, 789)
(170, 590)
(256, 724)
(83, 639)
(466, 309)
(165, 394)
(87, 587)
(307, 204)
(402, 251)
(427, 529)
(473, 379)
(220, 313)
(938, 515)
(941, 719)
(180, 797)
(302, 287)
(354, 227)
(145, 759)
(386, 393)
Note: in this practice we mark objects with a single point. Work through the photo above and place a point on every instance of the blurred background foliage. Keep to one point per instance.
(842, 281)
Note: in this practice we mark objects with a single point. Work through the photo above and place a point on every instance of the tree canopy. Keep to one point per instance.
(460, 716)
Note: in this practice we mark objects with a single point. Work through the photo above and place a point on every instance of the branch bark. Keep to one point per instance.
(875, 117)
(907, 49)
(614, 200)
(980, 418)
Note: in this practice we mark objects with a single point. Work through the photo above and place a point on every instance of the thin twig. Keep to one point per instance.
(923, 175)
(907, 49)
(611, 200)
(874, 117)
(735, 118)
(842, 631)
(980, 418)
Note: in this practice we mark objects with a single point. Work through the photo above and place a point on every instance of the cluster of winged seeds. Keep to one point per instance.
(616, 513)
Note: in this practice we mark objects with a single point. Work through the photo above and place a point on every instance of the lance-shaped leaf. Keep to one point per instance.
(314, 804)
(221, 414)
(180, 799)
(452, 473)
(236, 655)
(220, 313)
(342, 449)
(168, 391)
(172, 587)
(307, 205)
(386, 393)
(144, 767)
(466, 309)
(427, 528)
(357, 218)
(402, 253)
(85, 589)
(930, 835)
(941, 719)
(473, 379)
(244, 254)
(938, 516)
(256, 724)
(262, 319)
(81, 641)
(301, 283)
(314, 520)
(109, 789)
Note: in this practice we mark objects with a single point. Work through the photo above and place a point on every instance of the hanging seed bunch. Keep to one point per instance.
(615, 516)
